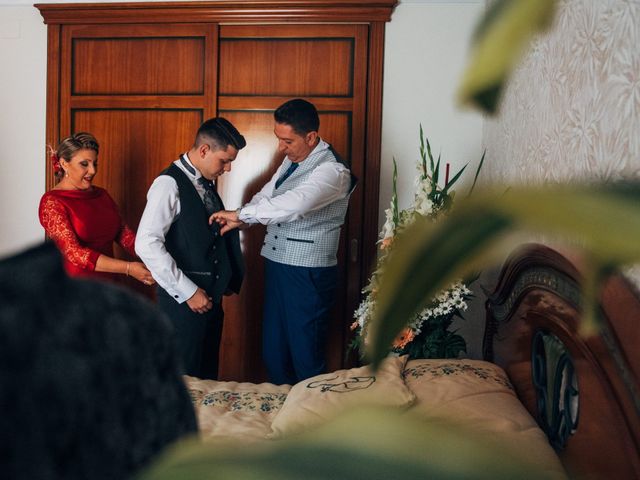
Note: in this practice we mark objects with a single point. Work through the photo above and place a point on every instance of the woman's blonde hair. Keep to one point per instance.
(72, 144)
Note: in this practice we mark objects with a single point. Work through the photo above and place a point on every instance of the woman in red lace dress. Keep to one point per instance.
(82, 219)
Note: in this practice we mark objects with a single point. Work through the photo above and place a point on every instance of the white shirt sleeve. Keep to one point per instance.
(327, 183)
(163, 205)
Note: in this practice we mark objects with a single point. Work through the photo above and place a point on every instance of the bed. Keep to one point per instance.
(570, 405)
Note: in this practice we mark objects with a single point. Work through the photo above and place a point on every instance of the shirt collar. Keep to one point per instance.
(189, 167)
(321, 146)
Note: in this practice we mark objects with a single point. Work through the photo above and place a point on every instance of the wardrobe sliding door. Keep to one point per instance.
(142, 90)
(259, 68)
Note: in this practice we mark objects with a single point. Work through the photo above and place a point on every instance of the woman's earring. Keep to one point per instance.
(66, 174)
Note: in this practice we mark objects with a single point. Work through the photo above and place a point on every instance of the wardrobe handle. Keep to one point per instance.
(353, 250)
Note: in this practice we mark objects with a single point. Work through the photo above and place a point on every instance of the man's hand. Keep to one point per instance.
(227, 219)
(200, 302)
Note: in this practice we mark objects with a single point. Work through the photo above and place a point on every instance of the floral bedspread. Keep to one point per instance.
(239, 401)
(235, 411)
(438, 368)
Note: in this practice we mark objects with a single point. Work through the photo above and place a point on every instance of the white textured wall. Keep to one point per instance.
(23, 60)
(426, 51)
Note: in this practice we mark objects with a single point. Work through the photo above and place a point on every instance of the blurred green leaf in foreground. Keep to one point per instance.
(604, 220)
(500, 38)
(368, 444)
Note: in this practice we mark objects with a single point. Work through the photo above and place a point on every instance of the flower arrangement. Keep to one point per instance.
(427, 334)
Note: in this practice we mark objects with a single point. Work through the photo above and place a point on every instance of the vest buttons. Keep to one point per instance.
(175, 296)
(276, 236)
(273, 248)
(215, 262)
(277, 224)
(217, 277)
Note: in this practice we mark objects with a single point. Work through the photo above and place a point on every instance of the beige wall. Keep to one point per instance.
(572, 110)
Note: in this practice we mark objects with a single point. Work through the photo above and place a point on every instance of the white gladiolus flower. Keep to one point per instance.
(446, 303)
(423, 205)
(388, 230)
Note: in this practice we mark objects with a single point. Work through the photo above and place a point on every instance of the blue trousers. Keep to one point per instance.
(297, 307)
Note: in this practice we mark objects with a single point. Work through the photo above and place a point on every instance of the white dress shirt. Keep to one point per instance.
(162, 209)
(327, 183)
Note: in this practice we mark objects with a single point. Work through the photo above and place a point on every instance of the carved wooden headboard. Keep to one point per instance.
(584, 391)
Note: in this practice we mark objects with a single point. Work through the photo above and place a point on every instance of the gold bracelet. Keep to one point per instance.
(128, 265)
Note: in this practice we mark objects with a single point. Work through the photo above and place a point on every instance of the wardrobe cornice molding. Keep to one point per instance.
(221, 11)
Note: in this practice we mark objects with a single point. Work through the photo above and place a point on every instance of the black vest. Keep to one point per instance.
(212, 261)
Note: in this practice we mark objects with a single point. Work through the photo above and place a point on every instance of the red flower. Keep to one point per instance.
(55, 163)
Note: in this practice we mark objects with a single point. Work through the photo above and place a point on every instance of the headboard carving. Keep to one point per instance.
(537, 297)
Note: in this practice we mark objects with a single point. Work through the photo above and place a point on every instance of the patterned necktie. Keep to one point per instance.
(287, 174)
(211, 199)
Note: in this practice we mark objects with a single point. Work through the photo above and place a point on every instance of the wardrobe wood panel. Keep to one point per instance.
(241, 349)
(260, 102)
(135, 146)
(371, 175)
(279, 67)
(133, 66)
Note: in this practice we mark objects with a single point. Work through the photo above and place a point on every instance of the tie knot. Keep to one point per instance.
(286, 174)
(207, 184)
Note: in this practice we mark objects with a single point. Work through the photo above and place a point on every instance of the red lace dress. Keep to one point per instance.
(84, 224)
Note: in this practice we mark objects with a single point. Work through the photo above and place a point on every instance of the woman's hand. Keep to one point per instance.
(138, 271)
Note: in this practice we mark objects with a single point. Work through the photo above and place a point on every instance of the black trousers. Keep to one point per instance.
(197, 335)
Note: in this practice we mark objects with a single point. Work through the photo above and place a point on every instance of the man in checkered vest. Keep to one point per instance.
(303, 205)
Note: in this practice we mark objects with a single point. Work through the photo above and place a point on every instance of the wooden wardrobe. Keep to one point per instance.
(143, 76)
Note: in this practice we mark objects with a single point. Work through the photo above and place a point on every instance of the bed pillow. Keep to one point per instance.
(479, 395)
(320, 398)
(236, 411)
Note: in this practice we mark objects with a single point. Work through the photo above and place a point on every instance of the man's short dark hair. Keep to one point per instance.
(90, 384)
(301, 115)
(220, 132)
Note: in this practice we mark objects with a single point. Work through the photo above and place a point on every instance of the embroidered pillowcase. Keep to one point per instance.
(236, 411)
(479, 395)
(320, 398)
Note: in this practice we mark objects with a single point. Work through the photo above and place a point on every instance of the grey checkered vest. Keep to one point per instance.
(311, 241)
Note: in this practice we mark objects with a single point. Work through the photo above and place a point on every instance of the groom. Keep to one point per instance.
(192, 263)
